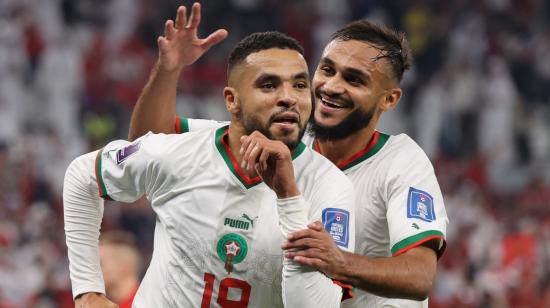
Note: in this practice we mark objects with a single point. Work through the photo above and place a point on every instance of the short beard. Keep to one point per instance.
(251, 124)
(354, 122)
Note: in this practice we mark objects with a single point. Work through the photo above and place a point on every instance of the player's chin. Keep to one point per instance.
(288, 134)
(328, 120)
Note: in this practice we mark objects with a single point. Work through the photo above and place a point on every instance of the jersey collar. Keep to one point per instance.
(223, 147)
(376, 143)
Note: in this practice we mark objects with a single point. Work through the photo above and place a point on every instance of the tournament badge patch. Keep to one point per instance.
(127, 151)
(336, 223)
(231, 249)
(420, 205)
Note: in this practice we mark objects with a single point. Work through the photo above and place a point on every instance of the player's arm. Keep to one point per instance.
(117, 172)
(302, 286)
(155, 109)
(415, 243)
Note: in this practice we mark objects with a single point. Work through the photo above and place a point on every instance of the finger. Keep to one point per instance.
(169, 30)
(262, 160)
(316, 225)
(195, 17)
(246, 148)
(255, 149)
(181, 17)
(304, 233)
(305, 243)
(313, 262)
(162, 43)
(245, 140)
(214, 38)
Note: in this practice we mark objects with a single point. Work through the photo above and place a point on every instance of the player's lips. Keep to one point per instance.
(286, 119)
(328, 104)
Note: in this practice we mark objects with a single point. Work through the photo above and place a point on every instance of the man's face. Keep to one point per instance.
(274, 92)
(349, 87)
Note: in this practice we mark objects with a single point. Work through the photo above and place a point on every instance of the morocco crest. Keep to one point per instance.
(231, 249)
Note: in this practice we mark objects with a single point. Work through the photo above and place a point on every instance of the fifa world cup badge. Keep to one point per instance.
(232, 249)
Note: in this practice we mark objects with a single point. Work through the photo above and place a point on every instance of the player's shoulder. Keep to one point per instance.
(402, 146)
(166, 144)
(403, 153)
(310, 161)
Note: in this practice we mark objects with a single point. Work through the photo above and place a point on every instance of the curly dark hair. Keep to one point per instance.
(392, 44)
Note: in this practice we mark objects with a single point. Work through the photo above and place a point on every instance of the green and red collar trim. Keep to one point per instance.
(221, 141)
(376, 143)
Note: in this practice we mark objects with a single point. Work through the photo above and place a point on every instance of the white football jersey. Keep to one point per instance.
(217, 240)
(399, 202)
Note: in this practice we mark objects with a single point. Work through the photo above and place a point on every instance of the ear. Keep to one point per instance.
(231, 99)
(391, 99)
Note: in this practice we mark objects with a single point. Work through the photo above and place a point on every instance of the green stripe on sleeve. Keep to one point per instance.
(415, 240)
(184, 125)
(99, 177)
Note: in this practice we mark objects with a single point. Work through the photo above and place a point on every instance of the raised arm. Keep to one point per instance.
(155, 109)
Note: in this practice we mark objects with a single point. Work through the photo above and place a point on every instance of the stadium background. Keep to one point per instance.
(477, 101)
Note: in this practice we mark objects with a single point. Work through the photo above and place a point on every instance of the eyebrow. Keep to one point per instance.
(349, 70)
(265, 76)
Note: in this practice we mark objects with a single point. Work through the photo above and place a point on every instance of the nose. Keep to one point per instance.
(287, 98)
(333, 85)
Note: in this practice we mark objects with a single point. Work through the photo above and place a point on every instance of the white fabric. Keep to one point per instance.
(83, 210)
(382, 183)
(196, 196)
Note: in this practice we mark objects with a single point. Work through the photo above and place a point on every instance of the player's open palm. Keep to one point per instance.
(94, 300)
(180, 45)
(272, 161)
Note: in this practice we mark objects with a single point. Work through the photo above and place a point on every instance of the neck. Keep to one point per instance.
(337, 151)
(236, 131)
(122, 289)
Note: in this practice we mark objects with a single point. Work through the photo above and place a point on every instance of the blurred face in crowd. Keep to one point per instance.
(270, 92)
(351, 89)
(117, 262)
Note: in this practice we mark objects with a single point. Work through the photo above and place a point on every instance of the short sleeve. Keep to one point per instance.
(415, 209)
(185, 125)
(333, 204)
(121, 170)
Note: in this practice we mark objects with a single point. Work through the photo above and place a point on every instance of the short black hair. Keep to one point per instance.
(259, 41)
(392, 44)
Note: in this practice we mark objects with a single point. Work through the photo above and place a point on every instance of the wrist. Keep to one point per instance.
(290, 191)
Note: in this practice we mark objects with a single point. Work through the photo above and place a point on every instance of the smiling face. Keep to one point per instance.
(270, 92)
(351, 89)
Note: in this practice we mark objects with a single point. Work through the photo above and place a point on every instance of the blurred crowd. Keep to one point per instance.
(477, 101)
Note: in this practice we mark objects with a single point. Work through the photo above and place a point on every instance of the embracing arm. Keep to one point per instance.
(155, 109)
(409, 275)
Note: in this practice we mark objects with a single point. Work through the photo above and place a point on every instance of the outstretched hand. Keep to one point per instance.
(180, 45)
(315, 247)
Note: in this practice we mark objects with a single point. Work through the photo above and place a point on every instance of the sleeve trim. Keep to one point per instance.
(99, 179)
(182, 125)
(177, 125)
(417, 240)
(347, 289)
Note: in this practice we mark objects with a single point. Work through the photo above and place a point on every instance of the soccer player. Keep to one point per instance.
(401, 218)
(225, 198)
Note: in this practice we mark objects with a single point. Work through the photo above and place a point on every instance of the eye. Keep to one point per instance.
(354, 80)
(267, 85)
(327, 70)
(301, 85)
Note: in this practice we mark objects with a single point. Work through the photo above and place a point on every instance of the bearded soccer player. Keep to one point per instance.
(401, 217)
(225, 198)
